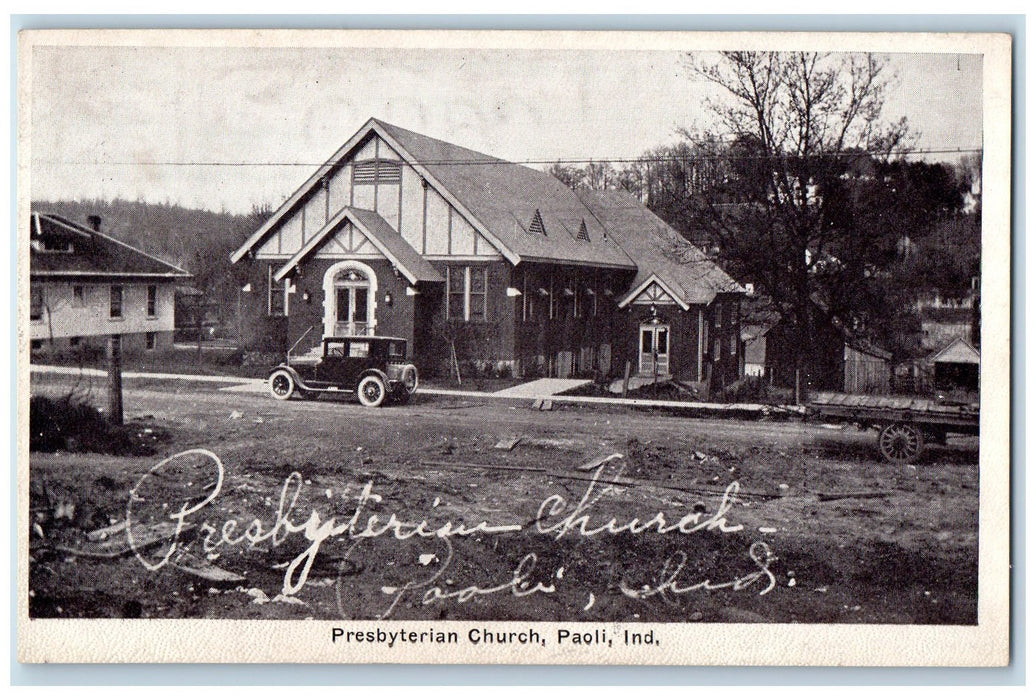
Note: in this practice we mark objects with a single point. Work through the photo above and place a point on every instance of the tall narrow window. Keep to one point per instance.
(456, 280)
(275, 294)
(115, 301)
(152, 299)
(78, 296)
(478, 283)
(149, 341)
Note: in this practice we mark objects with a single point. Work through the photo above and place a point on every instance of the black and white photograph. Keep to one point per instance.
(514, 347)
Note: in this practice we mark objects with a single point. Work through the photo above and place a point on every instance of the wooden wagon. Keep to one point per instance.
(904, 424)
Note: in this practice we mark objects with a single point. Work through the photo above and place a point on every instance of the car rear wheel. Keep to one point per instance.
(371, 391)
(408, 379)
(282, 385)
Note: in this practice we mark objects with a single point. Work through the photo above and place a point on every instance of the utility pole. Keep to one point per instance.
(115, 379)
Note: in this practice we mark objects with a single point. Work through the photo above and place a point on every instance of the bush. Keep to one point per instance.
(754, 390)
(72, 425)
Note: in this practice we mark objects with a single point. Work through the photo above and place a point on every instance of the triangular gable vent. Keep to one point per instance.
(583, 234)
(537, 224)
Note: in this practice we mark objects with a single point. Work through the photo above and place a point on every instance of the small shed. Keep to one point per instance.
(867, 369)
(956, 366)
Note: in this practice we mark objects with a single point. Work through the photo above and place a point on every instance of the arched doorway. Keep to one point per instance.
(350, 299)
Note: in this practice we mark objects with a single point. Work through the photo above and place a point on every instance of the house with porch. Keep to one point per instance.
(86, 286)
(496, 264)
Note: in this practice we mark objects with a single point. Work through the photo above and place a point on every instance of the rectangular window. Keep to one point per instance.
(359, 349)
(719, 315)
(74, 341)
(78, 296)
(152, 299)
(733, 343)
(275, 294)
(467, 292)
(36, 304)
(149, 341)
(717, 349)
(115, 301)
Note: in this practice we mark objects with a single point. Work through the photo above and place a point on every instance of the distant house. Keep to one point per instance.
(956, 366)
(85, 286)
(753, 338)
(499, 265)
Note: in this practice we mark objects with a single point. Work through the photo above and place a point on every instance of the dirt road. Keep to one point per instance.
(329, 510)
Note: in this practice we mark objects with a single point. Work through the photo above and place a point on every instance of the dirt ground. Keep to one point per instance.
(316, 508)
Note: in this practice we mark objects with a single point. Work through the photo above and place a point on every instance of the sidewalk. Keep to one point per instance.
(250, 385)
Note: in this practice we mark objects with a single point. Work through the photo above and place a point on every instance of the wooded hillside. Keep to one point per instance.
(198, 240)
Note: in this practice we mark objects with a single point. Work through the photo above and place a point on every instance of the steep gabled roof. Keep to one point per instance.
(92, 254)
(958, 351)
(505, 197)
(658, 250)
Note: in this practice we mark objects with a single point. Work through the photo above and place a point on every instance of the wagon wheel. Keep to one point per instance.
(901, 442)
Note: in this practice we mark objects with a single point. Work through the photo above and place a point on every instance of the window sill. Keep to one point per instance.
(117, 319)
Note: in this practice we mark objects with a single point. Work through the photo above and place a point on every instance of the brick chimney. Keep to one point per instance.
(95, 222)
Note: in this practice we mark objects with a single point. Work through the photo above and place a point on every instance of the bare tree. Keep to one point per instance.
(796, 134)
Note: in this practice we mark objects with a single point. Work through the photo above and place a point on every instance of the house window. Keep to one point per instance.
(467, 289)
(276, 293)
(74, 341)
(78, 296)
(717, 349)
(152, 299)
(36, 304)
(733, 343)
(115, 301)
(149, 341)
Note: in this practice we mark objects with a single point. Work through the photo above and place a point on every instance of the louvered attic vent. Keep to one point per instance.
(583, 234)
(537, 224)
(368, 172)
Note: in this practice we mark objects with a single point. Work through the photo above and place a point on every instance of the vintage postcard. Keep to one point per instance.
(514, 347)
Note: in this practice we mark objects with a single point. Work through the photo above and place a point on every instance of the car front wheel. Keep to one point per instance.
(282, 385)
(371, 391)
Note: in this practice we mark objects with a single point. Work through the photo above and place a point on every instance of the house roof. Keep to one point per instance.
(958, 351)
(658, 250)
(400, 253)
(505, 197)
(83, 252)
(500, 198)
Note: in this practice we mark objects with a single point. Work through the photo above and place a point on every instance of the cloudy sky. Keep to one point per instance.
(223, 128)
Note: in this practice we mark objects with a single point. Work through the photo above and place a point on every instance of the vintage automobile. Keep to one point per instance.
(373, 367)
